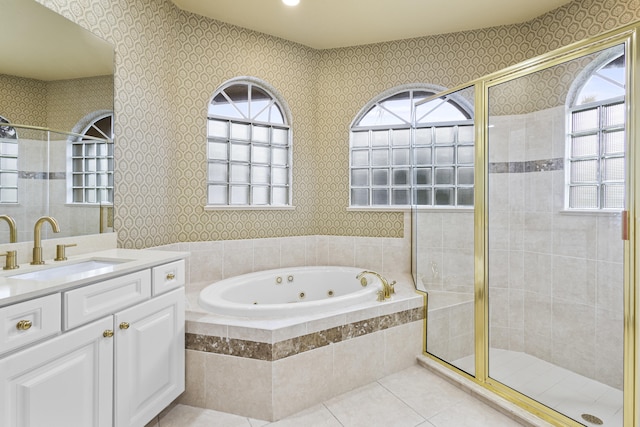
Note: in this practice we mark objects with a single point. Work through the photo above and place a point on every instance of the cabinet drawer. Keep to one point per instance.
(91, 302)
(29, 321)
(168, 276)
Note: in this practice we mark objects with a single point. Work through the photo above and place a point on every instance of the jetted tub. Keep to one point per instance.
(289, 292)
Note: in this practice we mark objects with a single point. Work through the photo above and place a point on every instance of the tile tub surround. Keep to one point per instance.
(271, 368)
(211, 261)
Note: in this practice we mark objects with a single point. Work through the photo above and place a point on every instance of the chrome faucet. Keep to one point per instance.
(37, 239)
(13, 230)
(387, 288)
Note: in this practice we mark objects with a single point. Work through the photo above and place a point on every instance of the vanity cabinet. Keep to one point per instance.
(115, 359)
(65, 381)
(149, 364)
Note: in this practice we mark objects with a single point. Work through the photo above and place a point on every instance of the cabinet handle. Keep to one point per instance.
(171, 276)
(23, 325)
(124, 325)
(108, 333)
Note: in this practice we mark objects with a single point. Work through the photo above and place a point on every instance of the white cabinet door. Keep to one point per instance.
(149, 370)
(66, 381)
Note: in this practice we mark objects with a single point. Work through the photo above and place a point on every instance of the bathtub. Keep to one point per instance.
(289, 292)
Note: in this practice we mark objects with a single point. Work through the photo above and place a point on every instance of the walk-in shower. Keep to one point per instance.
(531, 292)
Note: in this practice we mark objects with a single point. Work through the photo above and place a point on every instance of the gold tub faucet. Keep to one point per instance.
(37, 237)
(387, 288)
(13, 230)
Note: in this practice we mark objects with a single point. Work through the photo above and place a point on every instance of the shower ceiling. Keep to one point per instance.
(325, 24)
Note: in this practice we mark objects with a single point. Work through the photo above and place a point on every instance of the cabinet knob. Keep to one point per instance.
(108, 333)
(23, 325)
(171, 276)
(124, 325)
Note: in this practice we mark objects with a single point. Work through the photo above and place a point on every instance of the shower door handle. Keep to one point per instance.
(625, 225)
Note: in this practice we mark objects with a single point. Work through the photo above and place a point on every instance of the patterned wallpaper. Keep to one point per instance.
(168, 63)
(68, 101)
(552, 87)
(57, 105)
(23, 103)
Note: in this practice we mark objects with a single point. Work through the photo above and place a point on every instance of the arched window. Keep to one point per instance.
(249, 146)
(90, 163)
(403, 154)
(596, 143)
(8, 163)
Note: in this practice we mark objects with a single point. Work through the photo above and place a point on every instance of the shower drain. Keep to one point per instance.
(592, 419)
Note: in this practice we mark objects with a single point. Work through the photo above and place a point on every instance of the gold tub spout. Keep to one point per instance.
(387, 288)
(13, 230)
(37, 237)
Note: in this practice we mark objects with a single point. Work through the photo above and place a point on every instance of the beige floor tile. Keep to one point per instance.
(472, 413)
(414, 397)
(189, 416)
(372, 406)
(257, 423)
(317, 416)
(423, 391)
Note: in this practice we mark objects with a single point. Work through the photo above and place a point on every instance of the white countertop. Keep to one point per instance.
(14, 290)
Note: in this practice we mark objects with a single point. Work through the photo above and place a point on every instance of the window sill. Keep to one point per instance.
(247, 208)
(598, 212)
(408, 209)
(89, 205)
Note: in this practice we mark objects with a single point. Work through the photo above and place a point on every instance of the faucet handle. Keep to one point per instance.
(10, 263)
(60, 251)
(392, 287)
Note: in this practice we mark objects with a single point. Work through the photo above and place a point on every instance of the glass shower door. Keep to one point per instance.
(443, 158)
(556, 192)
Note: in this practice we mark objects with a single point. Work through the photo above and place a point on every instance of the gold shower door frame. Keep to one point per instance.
(626, 36)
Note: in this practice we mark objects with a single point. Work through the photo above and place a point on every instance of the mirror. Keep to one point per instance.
(57, 85)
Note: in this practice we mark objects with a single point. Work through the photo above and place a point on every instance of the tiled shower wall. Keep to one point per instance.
(445, 260)
(42, 190)
(556, 278)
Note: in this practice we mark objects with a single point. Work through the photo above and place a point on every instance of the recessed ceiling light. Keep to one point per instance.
(291, 2)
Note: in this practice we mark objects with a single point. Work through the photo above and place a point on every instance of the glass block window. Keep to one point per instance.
(596, 143)
(402, 154)
(8, 163)
(92, 163)
(248, 147)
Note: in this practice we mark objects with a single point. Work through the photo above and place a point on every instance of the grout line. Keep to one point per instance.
(403, 402)
(332, 414)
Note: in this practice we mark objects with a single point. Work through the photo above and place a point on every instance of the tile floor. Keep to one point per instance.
(412, 397)
(563, 390)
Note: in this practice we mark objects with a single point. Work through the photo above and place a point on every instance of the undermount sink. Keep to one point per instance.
(84, 268)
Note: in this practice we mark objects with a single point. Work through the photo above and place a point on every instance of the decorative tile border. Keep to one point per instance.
(280, 350)
(42, 175)
(546, 165)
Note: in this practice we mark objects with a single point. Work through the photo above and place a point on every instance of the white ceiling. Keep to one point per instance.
(38, 43)
(325, 24)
